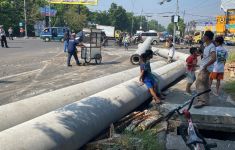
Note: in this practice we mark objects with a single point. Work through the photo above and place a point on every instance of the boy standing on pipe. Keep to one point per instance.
(191, 67)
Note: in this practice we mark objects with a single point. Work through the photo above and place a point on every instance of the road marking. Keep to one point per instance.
(34, 81)
(20, 74)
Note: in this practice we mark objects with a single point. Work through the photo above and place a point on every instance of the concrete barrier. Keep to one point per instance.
(72, 126)
(135, 58)
(24, 110)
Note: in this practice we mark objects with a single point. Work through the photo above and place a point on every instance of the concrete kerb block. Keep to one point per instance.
(209, 115)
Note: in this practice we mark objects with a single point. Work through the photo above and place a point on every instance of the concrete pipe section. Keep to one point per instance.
(72, 126)
(24, 110)
(135, 58)
(164, 53)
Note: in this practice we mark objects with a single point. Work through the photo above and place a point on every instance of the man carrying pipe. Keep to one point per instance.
(135, 58)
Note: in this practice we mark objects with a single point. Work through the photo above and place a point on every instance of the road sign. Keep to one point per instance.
(230, 26)
(21, 24)
(47, 11)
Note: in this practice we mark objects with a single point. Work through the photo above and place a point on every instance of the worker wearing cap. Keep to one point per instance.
(72, 50)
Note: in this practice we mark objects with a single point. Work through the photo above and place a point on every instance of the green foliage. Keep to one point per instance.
(180, 26)
(170, 28)
(229, 87)
(231, 58)
(75, 21)
(12, 12)
(145, 140)
(154, 25)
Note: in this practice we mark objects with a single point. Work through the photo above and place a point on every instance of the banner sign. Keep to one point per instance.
(230, 26)
(47, 11)
(82, 2)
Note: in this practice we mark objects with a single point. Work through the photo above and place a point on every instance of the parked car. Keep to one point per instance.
(53, 34)
(154, 35)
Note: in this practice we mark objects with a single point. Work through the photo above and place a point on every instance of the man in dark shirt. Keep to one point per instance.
(66, 39)
(72, 51)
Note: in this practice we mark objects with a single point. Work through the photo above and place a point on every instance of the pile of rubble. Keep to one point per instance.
(129, 130)
(230, 68)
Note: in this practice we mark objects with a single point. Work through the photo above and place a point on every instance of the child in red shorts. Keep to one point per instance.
(218, 70)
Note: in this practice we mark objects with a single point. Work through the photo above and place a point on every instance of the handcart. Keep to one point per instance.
(91, 45)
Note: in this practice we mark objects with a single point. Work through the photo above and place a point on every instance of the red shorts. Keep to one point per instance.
(217, 75)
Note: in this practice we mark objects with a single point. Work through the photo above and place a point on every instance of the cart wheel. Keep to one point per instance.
(98, 58)
(87, 60)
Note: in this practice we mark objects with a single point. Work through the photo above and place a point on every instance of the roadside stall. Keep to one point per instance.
(92, 45)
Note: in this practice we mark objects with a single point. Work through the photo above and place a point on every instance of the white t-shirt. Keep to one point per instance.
(221, 56)
(207, 57)
(171, 52)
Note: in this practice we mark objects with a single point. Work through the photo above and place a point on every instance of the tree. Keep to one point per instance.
(75, 21)
(118, 17)
(180, 26)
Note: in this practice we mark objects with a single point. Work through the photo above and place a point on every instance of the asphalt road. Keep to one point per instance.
(31, 67)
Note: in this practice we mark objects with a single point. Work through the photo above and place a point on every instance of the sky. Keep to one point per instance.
(194, 9)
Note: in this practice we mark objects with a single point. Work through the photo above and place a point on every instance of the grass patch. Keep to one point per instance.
(230, 88)
(145, 140)
(231, 58)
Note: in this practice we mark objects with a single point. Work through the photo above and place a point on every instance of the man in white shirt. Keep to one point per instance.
(206, 67)
(171, 52)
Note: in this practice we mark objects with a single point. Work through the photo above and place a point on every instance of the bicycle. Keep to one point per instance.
(190, 133)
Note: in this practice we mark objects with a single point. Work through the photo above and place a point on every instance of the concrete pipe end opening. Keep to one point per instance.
(135, 59)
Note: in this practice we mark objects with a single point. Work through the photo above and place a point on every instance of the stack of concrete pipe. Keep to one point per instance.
(69, 118)
(24, 110)
(135, 58)
(72, 126)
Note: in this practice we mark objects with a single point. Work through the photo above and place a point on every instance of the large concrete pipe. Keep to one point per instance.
(164, 53)
(24, 110)
(72, 126)
(135, 58)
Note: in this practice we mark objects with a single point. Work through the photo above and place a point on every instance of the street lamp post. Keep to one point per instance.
(25, 20)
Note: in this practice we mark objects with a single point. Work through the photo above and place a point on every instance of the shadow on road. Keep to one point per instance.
(6, 82)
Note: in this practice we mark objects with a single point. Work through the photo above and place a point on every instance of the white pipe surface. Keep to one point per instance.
(24, 110)
(135, 58)
(72, 126)
(164, 53)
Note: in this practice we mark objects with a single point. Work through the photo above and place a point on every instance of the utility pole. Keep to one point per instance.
(49, 13)
(132, 20)
(176, 14)
(25, 20)
(141, 19)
